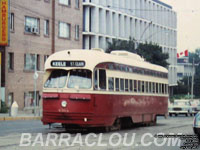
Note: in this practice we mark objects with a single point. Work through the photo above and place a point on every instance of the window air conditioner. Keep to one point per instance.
(34, 30)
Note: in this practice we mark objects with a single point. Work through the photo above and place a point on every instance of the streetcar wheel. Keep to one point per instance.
(154, 121)
(117, 125)
(107, 129)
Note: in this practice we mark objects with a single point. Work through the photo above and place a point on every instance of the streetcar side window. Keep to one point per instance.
(126, 85)
(96, 79)
(111, 84)
(150, 87)
(121, 84)
(147, 87)
(117, 84)
(131, 85)
(135, 85)
(102, 79)
(143, 86)
(139, 86)
(163, 89)
(160, 88)
(156, 87)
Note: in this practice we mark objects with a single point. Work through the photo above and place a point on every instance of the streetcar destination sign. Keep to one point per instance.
(67, 63)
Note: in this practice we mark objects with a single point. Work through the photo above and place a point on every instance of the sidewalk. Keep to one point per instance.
(22, 115)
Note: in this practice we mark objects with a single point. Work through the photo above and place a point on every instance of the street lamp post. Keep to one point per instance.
(35, 77)
(192, 86)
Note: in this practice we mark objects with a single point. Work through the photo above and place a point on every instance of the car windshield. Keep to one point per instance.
(80, 79)
(57, 79)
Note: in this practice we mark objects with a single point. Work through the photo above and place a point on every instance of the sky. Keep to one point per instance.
(188, 23)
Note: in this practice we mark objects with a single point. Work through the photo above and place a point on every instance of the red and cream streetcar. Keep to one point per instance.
(90, 88)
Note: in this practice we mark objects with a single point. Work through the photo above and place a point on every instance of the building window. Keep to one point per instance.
(11, 61)
(12, 22)
(77, 3)
(32, 25)
(45, 58)
(29, 99)
(64, 30)
(30, 60)
(77, 32)
(46, 27)
(10, 99)
(65, 2)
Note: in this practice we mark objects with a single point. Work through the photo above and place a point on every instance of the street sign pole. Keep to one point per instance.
(35, 76)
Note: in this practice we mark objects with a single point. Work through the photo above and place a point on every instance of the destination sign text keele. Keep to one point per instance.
(67, 63)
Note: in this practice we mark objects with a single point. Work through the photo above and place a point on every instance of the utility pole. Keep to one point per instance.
(53, 28)
(192, 87)
(0, 82)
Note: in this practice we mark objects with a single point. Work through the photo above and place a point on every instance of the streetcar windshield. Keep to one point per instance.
(80, 79)
(57, 79)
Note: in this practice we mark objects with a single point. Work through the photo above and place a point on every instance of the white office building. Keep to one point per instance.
(184, 68)
(143, 20)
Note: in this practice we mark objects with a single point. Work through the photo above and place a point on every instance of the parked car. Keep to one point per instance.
(181, 107)
(196, 124)
(196, 105)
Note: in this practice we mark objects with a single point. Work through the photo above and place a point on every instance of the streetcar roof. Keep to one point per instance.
(95, 57)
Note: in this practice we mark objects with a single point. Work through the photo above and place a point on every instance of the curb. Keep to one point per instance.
(19, 118)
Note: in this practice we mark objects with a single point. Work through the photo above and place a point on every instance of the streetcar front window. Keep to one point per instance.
(80, 78)
(57, 79)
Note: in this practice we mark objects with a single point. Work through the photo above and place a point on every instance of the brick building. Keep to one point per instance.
(38, 28)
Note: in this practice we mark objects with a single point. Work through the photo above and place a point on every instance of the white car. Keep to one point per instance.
(181, 107)
(196, 124)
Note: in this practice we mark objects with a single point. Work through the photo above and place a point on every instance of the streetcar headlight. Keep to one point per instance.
(63, 103)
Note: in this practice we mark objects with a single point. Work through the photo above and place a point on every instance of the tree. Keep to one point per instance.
(196, 57)
(153, 53)
(183, 87)
(150, 52)
(122, 45)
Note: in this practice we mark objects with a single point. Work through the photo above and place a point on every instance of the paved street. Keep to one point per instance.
(11, 133)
